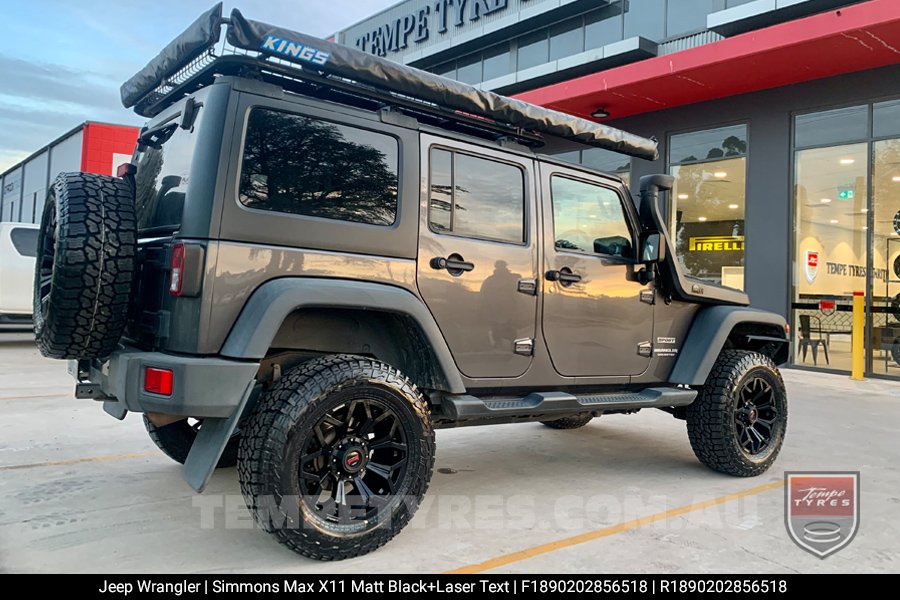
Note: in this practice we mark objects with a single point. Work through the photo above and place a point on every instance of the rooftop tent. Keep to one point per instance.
(340, 62)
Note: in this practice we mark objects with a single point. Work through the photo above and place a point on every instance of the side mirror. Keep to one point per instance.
(614, 246)
(653, 249)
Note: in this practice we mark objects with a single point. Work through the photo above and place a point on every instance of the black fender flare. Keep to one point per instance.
(707, 336)
(269, 305)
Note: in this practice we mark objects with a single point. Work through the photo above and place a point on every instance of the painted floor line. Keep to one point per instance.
(596, 534)
(75, 461)
(38, 397)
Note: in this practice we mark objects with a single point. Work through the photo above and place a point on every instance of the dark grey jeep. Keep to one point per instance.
(317, 257)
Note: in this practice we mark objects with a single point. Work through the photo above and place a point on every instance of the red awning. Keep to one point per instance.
(854, 38)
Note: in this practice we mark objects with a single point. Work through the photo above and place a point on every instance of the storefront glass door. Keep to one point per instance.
(884, 347)
(847, 238)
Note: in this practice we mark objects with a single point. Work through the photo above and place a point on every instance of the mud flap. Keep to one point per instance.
(210, 443)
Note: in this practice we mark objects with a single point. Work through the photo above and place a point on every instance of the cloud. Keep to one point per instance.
(49, 88)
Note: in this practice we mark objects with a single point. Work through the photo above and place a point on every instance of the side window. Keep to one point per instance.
(25, 241)
(303, 166)
(589, 218)
(476, 197)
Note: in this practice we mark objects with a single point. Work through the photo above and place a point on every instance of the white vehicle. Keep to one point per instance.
(18, 247)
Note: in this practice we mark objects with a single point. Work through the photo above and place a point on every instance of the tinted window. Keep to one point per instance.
(589, 218)
(603, 26)
(303, 166)
(163, 174)
(533, 50)
(887, 118)
(687, 16)
(476, 197)
(496, 62)
(712, 144)
(468, 69)
(24, 241)
(832, 126)
(646, 18)
(605, 160)
(566, 39)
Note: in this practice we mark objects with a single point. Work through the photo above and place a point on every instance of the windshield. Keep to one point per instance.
(163, 175)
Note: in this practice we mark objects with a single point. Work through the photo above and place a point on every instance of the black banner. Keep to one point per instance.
(448, 586)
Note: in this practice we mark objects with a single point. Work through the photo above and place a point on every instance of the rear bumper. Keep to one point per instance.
(202, 386)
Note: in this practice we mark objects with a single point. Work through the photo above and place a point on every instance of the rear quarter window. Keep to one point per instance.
(299, 165)
(24, 241)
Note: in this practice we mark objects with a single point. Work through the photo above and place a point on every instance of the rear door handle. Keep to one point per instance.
(455, 264)
(564, 276)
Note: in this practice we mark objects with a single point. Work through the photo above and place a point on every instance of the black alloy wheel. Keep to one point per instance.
(755, 415)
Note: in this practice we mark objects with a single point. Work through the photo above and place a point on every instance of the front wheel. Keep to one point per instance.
(337, 456)
(738, 421)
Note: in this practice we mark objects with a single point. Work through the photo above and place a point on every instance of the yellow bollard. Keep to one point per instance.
(859, 334)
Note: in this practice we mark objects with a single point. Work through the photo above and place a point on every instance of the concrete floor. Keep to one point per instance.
(80, 491)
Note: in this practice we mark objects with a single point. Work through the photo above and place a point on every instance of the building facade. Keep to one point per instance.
(780, 120)
(91, 147)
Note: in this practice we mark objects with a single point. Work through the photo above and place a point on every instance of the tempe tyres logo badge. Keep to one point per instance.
(822, 510)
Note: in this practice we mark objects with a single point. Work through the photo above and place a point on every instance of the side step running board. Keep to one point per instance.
(540, 404)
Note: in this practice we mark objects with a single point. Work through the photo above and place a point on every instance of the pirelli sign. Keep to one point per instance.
(717, 243)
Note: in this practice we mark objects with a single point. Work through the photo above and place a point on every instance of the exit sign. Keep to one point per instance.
(846, 194)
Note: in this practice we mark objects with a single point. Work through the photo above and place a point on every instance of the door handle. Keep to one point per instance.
(455, 264)
(564, 276)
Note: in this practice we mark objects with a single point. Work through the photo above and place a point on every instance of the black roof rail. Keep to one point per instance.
(332, 71)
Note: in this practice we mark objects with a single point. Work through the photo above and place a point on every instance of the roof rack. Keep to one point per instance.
(332, 71)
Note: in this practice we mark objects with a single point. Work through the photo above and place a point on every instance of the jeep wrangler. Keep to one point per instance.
(317, 257)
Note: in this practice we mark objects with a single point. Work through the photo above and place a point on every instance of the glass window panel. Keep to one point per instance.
(887, 118)
(304, 166)
(534, 49)
(573, 157)
(476, 197)
(446, 70)
(468, 69)
(496, 62)
(733, 3)
(832, 126)
(708, 206)
(566, 39)
(24, 241)
(830, 204)
(590, 219)
(885, 347)
(440, 200)
(712, 144)
(687, 16)
(488, 199)
(646, 18)
(603, 26)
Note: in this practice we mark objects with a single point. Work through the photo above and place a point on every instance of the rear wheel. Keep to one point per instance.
(570, 422)
(738, 421)
(175, 440)
(337, 456)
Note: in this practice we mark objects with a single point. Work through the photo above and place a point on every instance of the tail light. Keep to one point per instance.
(158, 381)
(176, 283)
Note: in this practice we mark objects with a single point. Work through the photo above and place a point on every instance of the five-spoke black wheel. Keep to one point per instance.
(737, 423)
(337, 456)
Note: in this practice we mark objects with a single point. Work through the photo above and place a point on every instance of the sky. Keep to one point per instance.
(62, 61)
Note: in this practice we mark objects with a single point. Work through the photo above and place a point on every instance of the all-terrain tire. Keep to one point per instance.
(85, 266)
(570, 422)
(175, 441)
(716, 419)
(299, 411)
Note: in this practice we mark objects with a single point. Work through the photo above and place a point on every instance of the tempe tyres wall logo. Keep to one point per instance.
(822, 510)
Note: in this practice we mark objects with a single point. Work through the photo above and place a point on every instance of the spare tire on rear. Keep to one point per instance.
(85, 266)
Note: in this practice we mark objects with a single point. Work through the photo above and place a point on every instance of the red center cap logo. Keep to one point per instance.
(352, 459)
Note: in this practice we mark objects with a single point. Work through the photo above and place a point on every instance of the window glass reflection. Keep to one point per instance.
(590, 219)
